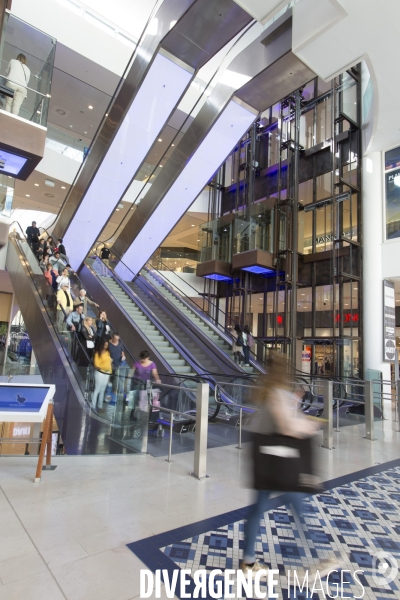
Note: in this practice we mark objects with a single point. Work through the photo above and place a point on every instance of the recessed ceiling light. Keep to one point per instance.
(60, 111)
(90, 107)
(172, 144)
(117, 209)
(161, 166)
(106, 114)
(63, 187)
(39, 112)
(159, 139)
(27, 195)
(71, 125)
(192, 225)
(37, 185)
(85, 132)
(49, 182)
(120, 206)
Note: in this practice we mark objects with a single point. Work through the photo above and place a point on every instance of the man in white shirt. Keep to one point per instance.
(18, 75)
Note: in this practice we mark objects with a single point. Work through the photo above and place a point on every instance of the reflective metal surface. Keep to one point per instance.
(202, 28)
(269, 65)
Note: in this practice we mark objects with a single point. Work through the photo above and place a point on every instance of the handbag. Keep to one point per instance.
(283, 463)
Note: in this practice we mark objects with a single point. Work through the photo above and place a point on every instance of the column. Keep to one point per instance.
(373, 232)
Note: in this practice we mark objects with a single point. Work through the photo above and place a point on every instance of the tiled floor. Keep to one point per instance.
(66, 537)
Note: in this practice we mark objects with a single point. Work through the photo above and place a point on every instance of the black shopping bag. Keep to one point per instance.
(284, 463)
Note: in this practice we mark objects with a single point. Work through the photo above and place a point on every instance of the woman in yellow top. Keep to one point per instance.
(102, 364)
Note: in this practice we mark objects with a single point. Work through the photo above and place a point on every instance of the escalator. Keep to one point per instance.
(63, 361)
(186, 308)
(148, 323)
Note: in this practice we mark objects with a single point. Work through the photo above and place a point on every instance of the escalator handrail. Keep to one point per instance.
(147, 313)
(165, 303)
(220, 329)
(226, 336)
(79, 284)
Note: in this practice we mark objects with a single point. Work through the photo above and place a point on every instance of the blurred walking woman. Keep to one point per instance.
(102, 363)
(277, 433)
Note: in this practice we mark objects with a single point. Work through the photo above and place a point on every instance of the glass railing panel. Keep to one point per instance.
(130, 412)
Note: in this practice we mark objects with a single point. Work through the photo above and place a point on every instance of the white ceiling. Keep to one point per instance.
(130, 15)
(332, 35)
(262, 10)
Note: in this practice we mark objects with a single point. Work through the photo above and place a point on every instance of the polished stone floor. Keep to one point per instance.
(67, 536)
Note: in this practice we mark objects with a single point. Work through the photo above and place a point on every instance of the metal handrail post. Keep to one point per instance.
(369, 410)
(201, 432)
(240, 428)
(171, 429)
(337, 416)
(327, 431)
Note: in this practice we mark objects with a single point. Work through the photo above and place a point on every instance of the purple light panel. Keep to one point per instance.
(158, 95)
(217, 277)
(229, 128)
(12, 163)
(258, 270)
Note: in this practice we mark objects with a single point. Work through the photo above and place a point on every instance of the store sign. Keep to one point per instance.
(389, 322)
(323, 239)
(347, 318)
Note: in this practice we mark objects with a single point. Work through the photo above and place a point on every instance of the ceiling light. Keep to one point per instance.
(159, 139)
(49, 182)
(233, 79)
(71, 125)
(60, 111)
(27, 195)
(192, 225)
(37, 185)
(106, 114)
(39, 112)
(90, 107)
(117, 209)
(346, 303)
(85, 132)
(63, 187)
(120, 206)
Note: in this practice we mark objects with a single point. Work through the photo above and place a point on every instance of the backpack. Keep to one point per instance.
(239, 341)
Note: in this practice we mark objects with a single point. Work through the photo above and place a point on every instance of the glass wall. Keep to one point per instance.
(26, 68)
(392, 191)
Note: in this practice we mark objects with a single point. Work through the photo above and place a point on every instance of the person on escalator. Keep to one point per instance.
(105, 255)
(83, 299)
(57, 262)
(63, 279)
(102, 327)
(237, 345)
(64, 306)
(102, 364)
(248, 342)
(75, 323)
(32, 234)
(119, 365)
(87, 337)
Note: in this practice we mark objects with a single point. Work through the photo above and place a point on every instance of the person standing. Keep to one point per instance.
(102, 327)
(75, 322)
(64, 305)
(105, 255)
(87, 337)
(18, 75)
(119, 365)
(63, 279)
(32, 234)
(102, 364)
(83, 299)
(237, 345)
(248, 343)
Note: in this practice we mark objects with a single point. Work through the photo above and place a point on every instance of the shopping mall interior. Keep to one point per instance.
(199, 242)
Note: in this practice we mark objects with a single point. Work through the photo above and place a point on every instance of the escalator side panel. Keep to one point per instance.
(53, 365)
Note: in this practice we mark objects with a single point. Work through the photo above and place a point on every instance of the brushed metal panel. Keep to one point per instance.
(253, 257)
(214, 266)
(277, 81)
(190, 39)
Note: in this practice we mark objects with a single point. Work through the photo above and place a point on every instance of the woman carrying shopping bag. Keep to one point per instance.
(282, 455)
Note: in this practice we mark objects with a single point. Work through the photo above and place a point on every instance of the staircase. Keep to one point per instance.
(194, 317)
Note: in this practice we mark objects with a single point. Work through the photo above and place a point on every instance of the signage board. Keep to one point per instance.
(24, 403)
(389, 322)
